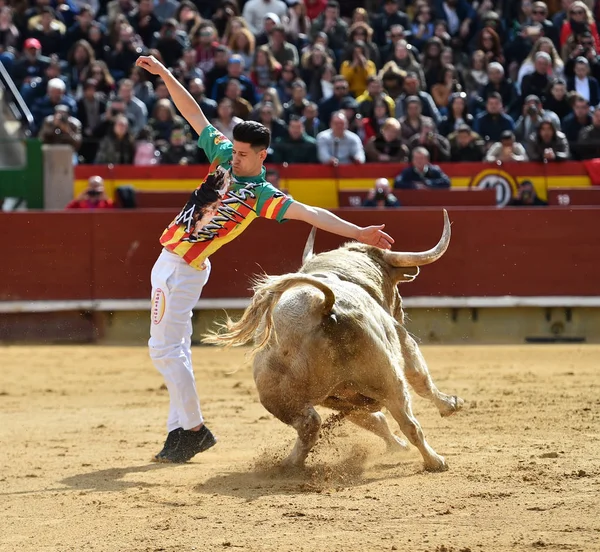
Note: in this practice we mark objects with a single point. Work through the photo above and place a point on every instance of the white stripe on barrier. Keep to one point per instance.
(113, 305)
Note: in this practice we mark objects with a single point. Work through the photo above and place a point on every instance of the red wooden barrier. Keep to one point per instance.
(574, 196)
(493, 252)
(426, 198)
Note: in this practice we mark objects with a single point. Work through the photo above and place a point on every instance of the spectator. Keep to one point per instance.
(312, 123)
(267, 117)
(490, 124)
(226, 121)
(270, 21)
(208, 106)
(333, 26)
(558, 101)
(536, 83)
(165, 9)
(360, 31)
(59, 128)
(118, 146)
(9, 36)
(48, 30)
(298, 102)
(498, 82)
(337, 145)
(403, 59)
(93, 197)
(547, 144)
(411, 89)
(241, 107)
(265, 70)
(145, 150)
(436, 145)
(580, 18)
(390, 17)
(421, 175)
(80, 58)
(207, 48)
(32, 63)
(527, 196)
(381, 195)
(533, 115)
(575, 122)
(466, 146)
(542, 44)
(458, 115)
(143, 88)
(90, 109)
(387, 146)
(235, 70)
(243, 44)
(371, 125)
(358, 69)
(414, 121)
(374, 90)
(255, 12)
(144, 22)
(506, 150)
(163, 121)
(171, 43)
(442, 91)
(296, 146)
(135, 109)
(282, 50)
(582, 83)
(422, 26)
(334, 103)
(55, 95)
(178, 151)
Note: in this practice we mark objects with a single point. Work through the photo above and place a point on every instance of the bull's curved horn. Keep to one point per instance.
(400, 259)
(310, 244)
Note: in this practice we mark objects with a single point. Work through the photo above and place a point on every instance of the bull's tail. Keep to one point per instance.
(267, 291)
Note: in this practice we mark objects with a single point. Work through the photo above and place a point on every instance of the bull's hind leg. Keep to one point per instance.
(399, 407)
(417, 374)
(376, 423)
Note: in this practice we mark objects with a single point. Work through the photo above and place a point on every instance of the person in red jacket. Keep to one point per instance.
(579, 19)
(93, 197)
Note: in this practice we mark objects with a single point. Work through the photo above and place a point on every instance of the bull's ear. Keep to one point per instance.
(406, 273)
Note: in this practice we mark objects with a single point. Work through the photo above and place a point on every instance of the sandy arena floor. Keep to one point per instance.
(79, 424)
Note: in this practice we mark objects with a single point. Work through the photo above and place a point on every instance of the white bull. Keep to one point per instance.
(333, 335)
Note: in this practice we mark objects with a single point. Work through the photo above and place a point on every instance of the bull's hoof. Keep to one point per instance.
(436, 465)
(451, 406)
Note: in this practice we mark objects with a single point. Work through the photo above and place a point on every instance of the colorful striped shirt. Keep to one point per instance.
(246, 199)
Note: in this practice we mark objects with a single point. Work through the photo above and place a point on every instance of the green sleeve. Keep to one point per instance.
(216, 146)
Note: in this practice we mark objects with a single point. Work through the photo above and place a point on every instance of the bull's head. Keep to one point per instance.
(409, 262)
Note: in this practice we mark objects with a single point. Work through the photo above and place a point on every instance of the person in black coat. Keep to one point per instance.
(421, 175)
(582, 83)
(537, 83)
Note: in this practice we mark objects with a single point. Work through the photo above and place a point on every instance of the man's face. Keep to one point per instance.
(221, 59)
(374, 88)
(296, 129)
(390, 133)
(269, 25)
(338, 125)
(495, 75)
(494, 106)
(463, 139)
(546, 132)
(411, 85)
(298, 94)
(331, 13)
(196, 88)
(278, 37)
(235, 69)
(161, 91)
(539, 12)
(206, 35)
(233, 90)
(126, 91)
(390, 7)
(419, 161)
(89, 92)
(310, 112)
(340, 89)
(413, 110)
(581, 70)
(146, 7)
(245, 160)
(85, 19)
(581, 109)
(55, 95)
(266, 114)
(542, 66)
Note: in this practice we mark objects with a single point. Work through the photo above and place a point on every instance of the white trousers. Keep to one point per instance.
(176, 287)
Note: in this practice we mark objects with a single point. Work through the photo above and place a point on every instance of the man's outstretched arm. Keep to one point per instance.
(182, 99)
(325, 220)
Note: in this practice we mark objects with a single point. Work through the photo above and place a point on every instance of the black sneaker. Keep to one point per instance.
(189, 444)
(170, 445)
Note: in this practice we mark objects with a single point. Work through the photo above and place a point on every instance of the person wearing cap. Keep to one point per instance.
(547, 144)
(254, 12)
(339, 146)
(32, 63)
(93, 197)
(582, 83)
(235, 70)
(537, 83)
(271, 21)
(506, 150)
(466, 146)
(55, 95)
(358, 69)
(383, 22)
(533, 114)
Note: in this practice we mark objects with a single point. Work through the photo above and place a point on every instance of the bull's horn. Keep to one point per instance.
(310, 244)
(400, 259)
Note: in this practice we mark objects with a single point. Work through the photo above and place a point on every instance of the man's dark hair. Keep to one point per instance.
(495, 95)
(332, 4)
(253, 133)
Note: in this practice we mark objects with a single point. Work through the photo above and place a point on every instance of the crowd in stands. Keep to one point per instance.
(350, 82)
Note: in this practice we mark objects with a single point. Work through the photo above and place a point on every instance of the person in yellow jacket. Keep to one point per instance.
(357, 70)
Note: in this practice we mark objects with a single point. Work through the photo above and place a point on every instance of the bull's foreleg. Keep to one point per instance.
(399, 407)
(376, 423)
(417, 374)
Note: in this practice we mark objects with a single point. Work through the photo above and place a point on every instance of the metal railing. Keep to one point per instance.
(19, 109)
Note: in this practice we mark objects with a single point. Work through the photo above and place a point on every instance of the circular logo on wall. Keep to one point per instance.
(504, 184)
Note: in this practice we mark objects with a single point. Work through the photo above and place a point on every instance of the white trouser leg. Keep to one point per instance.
(176, 288)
